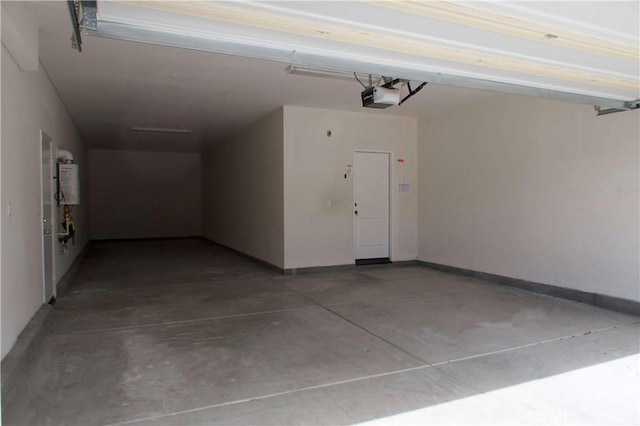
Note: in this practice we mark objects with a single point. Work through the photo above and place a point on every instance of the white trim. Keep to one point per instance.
(45, 138)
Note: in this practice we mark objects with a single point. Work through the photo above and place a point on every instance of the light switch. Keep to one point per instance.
(329, 203)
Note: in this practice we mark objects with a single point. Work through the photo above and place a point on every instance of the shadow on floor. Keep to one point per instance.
(186, 332)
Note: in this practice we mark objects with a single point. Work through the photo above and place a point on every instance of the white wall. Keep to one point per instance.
(533, 189)
(30, 103)
(144, 194)
(243, 191)
(316, 235)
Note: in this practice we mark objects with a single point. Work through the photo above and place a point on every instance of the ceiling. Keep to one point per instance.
(113, 85)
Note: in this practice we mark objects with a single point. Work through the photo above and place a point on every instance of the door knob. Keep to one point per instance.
(47, 232)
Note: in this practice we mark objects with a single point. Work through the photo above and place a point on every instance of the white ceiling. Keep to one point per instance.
(113, 85)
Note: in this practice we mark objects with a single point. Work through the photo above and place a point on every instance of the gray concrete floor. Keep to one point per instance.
(184, 332)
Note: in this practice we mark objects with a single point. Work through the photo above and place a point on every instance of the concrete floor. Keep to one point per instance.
(184, 332)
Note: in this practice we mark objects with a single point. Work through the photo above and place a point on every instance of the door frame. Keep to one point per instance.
(392, 200)
(46, 139)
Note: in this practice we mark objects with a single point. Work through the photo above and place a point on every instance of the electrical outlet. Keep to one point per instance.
(9, 209)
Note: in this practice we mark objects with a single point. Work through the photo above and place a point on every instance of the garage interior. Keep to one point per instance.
(212, 272)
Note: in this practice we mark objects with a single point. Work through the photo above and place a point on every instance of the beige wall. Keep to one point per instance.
(30, 103)
(144, 194)
(533, 189)
(243, 191)
(317, 235)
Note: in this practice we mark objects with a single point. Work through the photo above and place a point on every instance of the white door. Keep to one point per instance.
(48, 227)
(371, 204)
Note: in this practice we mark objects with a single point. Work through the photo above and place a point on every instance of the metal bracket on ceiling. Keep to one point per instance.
(89, 11)
(89, 15)
(76, 37)
(412, 92)
(628, 106)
